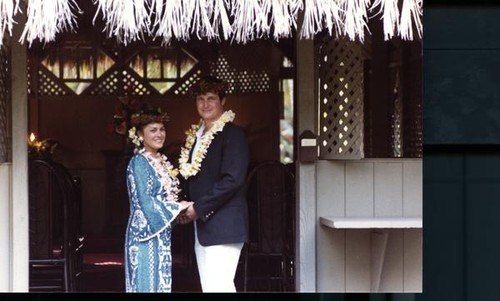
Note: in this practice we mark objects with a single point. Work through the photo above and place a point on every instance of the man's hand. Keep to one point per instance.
(185, 204)
(187, 215)
(190, 213)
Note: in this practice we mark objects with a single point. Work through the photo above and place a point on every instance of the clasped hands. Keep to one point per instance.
(187, 214)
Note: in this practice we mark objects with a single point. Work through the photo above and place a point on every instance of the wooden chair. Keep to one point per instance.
(268, 258)
(55, 229)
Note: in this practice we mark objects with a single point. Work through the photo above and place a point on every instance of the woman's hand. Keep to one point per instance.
(182, 218)
(186, 214)
(185, 204)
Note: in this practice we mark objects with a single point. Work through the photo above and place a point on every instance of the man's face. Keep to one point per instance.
(210, 107)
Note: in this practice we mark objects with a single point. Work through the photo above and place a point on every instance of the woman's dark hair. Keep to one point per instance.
(147, 115)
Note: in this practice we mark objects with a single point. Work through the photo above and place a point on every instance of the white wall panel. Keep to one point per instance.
(358, 189)
(388, 196)
(357, 261)
(392, 272)
(331, 271)
(5, 199)
(412, 188)
(368, 188)
(413, 256)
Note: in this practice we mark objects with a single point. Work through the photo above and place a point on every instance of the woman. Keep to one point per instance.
(153, 190)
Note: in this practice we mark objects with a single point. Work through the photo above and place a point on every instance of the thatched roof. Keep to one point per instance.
(233, 20)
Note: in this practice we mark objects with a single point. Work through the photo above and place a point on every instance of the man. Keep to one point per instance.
(214, 162)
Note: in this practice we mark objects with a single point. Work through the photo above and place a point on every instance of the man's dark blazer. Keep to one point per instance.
(218, 190)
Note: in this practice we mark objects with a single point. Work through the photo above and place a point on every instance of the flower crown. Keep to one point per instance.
(131, 113)
(143, 118)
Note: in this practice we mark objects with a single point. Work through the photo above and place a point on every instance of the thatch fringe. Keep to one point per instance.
(356, 17)
(125, 20)
(411, 17)
(8, 8)
(47, 18)
(221, 20)
(236, 20)
(170, 20)
(389, 12)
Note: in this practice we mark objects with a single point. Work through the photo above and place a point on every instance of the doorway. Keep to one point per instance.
(74, 85)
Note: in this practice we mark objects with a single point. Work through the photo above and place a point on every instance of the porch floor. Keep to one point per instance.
(103, 269)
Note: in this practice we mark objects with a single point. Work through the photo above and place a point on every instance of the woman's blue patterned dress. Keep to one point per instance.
(148, 259)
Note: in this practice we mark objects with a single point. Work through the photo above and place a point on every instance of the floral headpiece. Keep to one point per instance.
(131, 113)
(146, 117)
(209, 84)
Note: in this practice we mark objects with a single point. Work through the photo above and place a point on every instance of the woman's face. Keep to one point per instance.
(154, 136)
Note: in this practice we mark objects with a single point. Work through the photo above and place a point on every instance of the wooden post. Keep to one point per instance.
(305, 255)
(19, 218)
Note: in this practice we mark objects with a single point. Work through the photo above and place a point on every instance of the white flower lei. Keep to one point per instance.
(167, 174)
(190, 169)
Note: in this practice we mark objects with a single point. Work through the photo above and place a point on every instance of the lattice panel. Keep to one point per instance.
(412, 119)
(107, 86)
(240, 81)
(133, 85)
(28, 76)
(110, 73)
(405, 78)
(183, 88)
(397, 116)
(121, 83)
(341, 100)
(414, 130)
(123, 80)
(5, 143)
(49, 86)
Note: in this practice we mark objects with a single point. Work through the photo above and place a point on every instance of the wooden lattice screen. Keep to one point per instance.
(412, 106)
(187, 82)
(349, 101)
(48, 84)
(396, 122)
(5, 141)
(121, 79)
(241, 81)
(406, 94)
(341, 88)
(118, 79)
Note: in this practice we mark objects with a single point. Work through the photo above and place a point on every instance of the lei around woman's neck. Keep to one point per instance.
(166, 171)
(190, 169)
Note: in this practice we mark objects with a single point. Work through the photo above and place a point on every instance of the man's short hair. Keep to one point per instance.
(210, 84)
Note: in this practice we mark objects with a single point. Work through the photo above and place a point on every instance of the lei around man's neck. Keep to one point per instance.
(192, 168)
